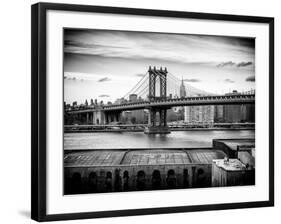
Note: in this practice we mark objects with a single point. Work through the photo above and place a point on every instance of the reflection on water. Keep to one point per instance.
(176, 139)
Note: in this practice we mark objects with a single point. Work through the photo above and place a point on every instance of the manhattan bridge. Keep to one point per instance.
(156, 87)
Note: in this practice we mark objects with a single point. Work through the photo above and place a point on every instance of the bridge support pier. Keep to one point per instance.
(87, 118)
(154, 76)
(112, 117)
(98, 117)
(155, 127)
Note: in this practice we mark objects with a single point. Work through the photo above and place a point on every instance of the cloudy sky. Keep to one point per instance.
(107, 64)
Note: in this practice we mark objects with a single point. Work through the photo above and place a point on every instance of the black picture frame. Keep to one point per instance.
(39, 122)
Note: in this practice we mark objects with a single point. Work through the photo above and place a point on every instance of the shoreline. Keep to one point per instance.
(172, 129)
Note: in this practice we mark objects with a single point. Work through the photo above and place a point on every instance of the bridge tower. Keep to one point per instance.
(157, 76)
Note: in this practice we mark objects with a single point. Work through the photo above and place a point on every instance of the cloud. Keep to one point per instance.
(70, 78)
(104, 95)
(251, 79)
(192, 80)
(158, 46)
(75, 79)
(229, 81)
(105, 79)
(231, 63)
(244, 64)
(223, 64)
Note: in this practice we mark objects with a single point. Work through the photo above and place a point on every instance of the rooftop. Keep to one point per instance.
(157, 157)
(234, 143)
(231, 165)
(93, 158)
(141, 157)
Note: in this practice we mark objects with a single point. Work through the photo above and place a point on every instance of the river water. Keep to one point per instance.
(176, 139)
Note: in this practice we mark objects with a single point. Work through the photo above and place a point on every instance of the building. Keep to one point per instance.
(249, 113)
(175, 114)
(232, 113)
(218, 114)
(118, 170)
(120, 101)
(130, 170)
(246, 154)
(133, 98)
(199, 114)
(208, 114)
(183, 110)
(134, 117)
(182, 90)
(238, 167)
(231, 172)
(232, 146)
(238, 113)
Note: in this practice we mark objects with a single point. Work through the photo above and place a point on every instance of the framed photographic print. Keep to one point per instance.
(139, 111)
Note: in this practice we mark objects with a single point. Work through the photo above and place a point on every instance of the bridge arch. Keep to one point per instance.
(76, 183)
(125, 180)
(171, 179)
(92, 182)
(117, 180)
(185, 178)
(141, 181)
(108, 181)
(156, 179)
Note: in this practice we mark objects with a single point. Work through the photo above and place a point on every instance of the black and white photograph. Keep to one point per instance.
(141, 111)
(150, 111)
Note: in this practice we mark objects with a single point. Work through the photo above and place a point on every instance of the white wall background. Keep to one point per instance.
(15, 110)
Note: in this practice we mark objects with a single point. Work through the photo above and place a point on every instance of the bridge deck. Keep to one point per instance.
(187, 101)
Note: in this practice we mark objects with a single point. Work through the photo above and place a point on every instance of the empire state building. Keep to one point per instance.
(182, 90)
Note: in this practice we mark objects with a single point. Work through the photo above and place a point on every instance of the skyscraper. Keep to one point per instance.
(183, 95)
(218, 116)
(199, 114)
(182, 90)
(232, 113)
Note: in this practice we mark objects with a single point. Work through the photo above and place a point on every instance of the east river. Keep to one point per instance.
(176, 139)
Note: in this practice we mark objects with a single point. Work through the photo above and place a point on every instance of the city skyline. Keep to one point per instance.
(106, 64)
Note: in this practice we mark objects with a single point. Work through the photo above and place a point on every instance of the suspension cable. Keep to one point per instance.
(131, 90)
